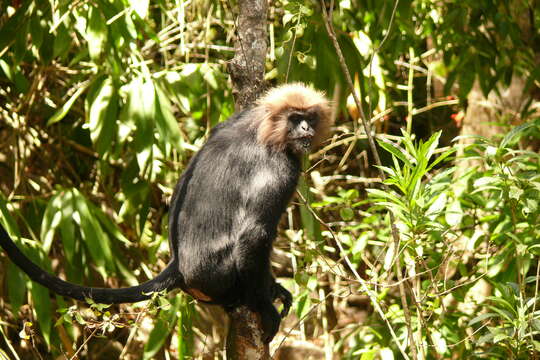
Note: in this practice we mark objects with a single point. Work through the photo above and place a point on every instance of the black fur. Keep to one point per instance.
(223, 219)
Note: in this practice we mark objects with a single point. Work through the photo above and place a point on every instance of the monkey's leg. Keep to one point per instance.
(252, 256)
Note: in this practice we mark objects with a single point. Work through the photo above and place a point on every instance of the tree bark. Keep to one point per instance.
(244, 341)
(247, 66)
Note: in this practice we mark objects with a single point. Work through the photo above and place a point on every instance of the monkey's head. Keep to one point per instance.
(294, 117)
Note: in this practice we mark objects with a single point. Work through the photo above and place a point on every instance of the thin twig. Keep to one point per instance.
(371, 294)
(371, 141)
(83, 344)
(133, 331)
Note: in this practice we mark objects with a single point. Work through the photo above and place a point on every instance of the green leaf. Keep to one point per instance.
(67, 228)
(62, 112)
(102, 116)
(184, 326)
(346, 213)
(534, 249)
(41, 298)
(162, 328)
(109, 225)
(454, 213)
(394, 151)
(303, 304)
(96, 33)
(141, 110)
(466, 81)
(481, 318)
(441, 157)
(166, 123)
(309, 223)
(7, 220)
(16, 292)
(385, 195)
(94, 238)
(50, 222)
(516, 132)
(13, 25)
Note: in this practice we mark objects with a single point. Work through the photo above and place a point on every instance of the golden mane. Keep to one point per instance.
(272, 107)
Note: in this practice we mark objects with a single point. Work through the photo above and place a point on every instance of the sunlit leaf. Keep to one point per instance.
(166, 123)
(60, 113)
(96, 33)
(102, 116)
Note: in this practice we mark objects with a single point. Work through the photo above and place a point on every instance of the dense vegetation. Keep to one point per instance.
(103, 103)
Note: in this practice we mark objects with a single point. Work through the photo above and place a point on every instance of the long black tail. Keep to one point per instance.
(168, 279)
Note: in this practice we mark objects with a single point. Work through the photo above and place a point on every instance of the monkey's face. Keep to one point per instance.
(301, 126)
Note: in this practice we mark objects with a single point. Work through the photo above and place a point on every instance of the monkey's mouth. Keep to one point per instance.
(304, 142)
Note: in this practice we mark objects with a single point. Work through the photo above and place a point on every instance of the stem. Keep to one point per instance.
(371, 141)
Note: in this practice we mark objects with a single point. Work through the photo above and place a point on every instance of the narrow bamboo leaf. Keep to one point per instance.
(102, 116)
(394, 151)
(309, 223)
(481, 318)
(303, 304)
(62, 112)
(12, 26)
(37, 30)
(387, 170)
(166, 123)
(51, 219)
(110, 226)
(184, 329)
(96, 33)
(441, 157)
(94, 238)
(122, 269)
(385, 195)
(503, 313)
(141, 110)
(67, 228)
(515, 133)
(8, 221)
(40, 296)
(431, 145)
(16, 292)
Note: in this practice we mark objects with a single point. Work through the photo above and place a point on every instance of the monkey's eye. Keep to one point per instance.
(295, 117)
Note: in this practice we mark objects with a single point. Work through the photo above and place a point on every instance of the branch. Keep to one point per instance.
(367, 128)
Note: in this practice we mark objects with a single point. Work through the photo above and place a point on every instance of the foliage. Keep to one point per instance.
(103, 103)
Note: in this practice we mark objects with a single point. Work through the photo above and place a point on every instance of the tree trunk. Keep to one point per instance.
(247, 66)
(244, 341)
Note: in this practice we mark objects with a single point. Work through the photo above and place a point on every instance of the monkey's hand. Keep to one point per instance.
(279, 292)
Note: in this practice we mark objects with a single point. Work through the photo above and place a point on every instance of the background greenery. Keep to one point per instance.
(103, 102)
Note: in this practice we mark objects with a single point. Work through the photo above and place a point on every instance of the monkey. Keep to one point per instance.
(225, 209)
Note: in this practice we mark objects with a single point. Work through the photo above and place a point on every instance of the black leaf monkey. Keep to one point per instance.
(225, 210)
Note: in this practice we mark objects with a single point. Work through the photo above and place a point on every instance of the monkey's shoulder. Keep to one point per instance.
(239, 122)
